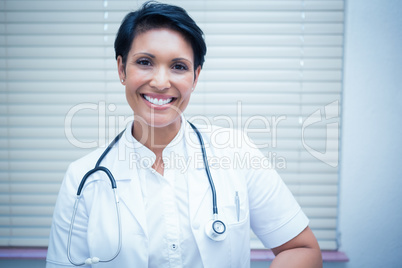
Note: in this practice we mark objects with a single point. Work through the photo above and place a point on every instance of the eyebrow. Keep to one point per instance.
(179, 59)
(146, 53)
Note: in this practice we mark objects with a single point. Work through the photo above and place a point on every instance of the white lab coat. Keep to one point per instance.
(96, 229)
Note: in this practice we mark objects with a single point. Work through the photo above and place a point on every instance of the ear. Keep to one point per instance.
(121, 68)
(197, 75)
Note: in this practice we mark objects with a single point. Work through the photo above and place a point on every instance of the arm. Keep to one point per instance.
(57, 248)
(301, 251)
(277, 219)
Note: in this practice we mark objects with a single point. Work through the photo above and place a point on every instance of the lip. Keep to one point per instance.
(158, 96)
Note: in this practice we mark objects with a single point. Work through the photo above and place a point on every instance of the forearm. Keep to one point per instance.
(298, 257)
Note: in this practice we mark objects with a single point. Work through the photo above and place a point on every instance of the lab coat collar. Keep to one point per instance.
(123, 164)
(146, 157)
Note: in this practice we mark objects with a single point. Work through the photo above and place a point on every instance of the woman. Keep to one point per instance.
(167, 213)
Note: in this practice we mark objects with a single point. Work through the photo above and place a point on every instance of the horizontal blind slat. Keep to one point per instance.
(25, 232)
(12, 241)
(29, 199)
(19, 210)
(213, 40)
(109, 28)
(222, 51)
(190, 6)
(235, 99)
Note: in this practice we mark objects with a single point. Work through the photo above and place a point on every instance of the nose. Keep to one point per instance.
(160, 79)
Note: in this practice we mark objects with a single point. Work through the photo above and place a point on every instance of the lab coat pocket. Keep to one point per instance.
(236, 213)
(235, 208)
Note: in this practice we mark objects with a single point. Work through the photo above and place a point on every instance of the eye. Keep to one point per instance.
(144, 62)
(180, 66)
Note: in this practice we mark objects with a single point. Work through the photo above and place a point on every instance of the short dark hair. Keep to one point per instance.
(154, 15)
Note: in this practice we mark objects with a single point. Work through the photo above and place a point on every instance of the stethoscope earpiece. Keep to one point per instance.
(90, 261)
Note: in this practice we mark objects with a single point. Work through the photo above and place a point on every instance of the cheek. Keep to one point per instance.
(186, 94)
(185, 100)
(185, 85)
(133, 83)
(131, 95)
(136, 77)
(131, 98)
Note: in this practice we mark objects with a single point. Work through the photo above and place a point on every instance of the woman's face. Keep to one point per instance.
(159, 76)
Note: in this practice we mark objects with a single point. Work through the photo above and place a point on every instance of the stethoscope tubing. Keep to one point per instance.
(78, 198)
(204, 157)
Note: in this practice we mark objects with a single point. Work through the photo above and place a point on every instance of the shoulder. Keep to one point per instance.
(86, 162)
(218, 138)
(231, 149)
(78, 168)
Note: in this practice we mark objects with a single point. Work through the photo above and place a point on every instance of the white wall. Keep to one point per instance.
(370, 209)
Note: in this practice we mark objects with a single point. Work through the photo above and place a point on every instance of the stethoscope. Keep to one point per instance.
(214, 229)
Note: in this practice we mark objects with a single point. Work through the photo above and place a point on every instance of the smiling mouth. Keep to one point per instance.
(156, 101)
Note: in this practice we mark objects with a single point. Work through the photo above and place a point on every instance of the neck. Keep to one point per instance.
(155, 138)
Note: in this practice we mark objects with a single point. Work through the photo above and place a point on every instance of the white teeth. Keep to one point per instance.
(158, 101)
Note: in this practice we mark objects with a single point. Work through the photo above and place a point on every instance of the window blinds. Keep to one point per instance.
(277, 62)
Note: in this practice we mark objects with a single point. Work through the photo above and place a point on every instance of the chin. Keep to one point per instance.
(160, 121)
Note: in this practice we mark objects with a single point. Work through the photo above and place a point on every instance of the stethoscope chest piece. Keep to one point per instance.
(216, 230)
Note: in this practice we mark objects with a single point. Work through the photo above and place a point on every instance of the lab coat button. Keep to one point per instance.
(173, 246)
(196, 225)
